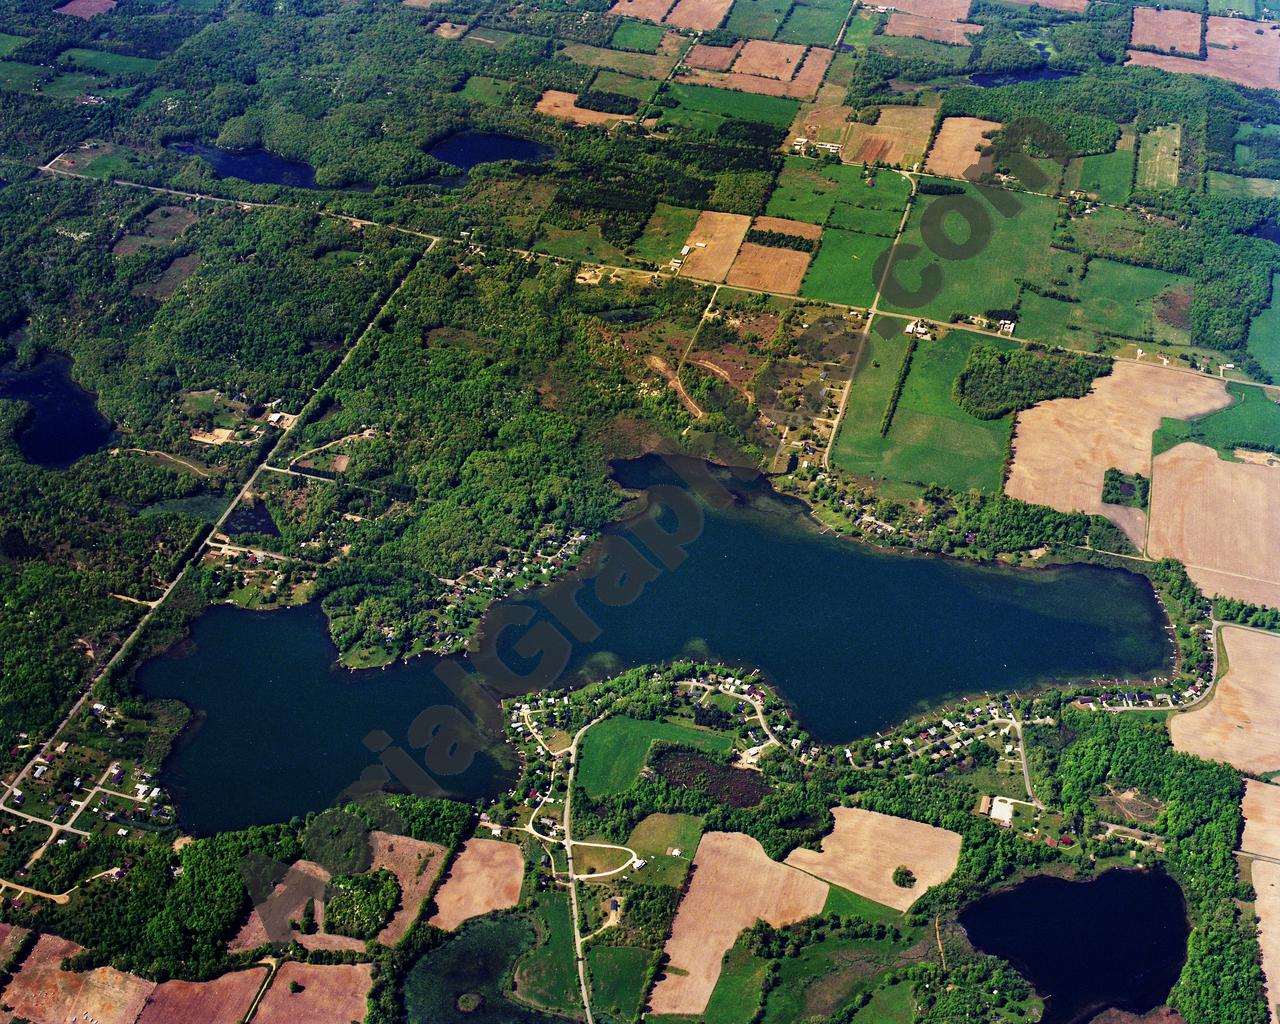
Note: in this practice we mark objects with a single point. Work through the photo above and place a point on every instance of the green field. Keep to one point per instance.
(1158, 154)
(931, 439)
(1115, 299)
(625, 85)
(737, 992)
(664, 235)
(108, 63)
(10, 43)
(493, 38)
(987, 280)
(909, 48)
(586, 244)
(1245, 7)
(861, 29)
(548, 977)
(614, 751)
(17, 77)
(1105, 175)
(1264, 333)
(757, 19)
(813, 24)
(658, 833)
(639, 36)
(73, 84)
(617, 979)
(838, 195)
(1251, 421)
(850, 904)
(1247, 188)
(703, 107)
(844, 269)
(891, 1005)
(818, 977)
(483, 89)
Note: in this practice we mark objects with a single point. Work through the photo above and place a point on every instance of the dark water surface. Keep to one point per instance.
(468, 150)
(1117, 941)
(64, 423)
(995, 79)
(253, 165)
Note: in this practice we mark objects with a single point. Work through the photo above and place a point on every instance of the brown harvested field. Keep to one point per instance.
(1237, 726)
(864, 848)
(1166, 30)
(167, 283)
(642, 65)
(43, 992)
(804, 86)
(768, 270)
(771, 60)
(713, 58)
(1063, 448)
(331, 994)
(943, 10)
(269, 921)
(1266, 883)
(645, 10)
(821, 121)
(955, 150)
(782, 226)
(814, 69)
(10, 937)
(701, 15)
(485, 877)
(1261, 809)
(734, 884)
(1219, 519)
(930, 28)
(224, 1000)
(898, 137)
(564, 106)
(415, 864)
(1239, 50)
(451, 30)
(714, 243)
(86, 8)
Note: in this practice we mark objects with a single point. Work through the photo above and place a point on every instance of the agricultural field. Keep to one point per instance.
(757, 19)
(223, 1000)
(713, 245)
(43, 991)
(638, 36)
(1251, 420)
(844, 270)
(898, 138)
(325, 994)
(840, 195)
(737, 993)
(654, 839)
(664, 236)
(1169, 31)
(618, 975)
(641, 89)
(1159, 152)
(1237, 50)
(816, 24)
(957, 148)
(108, 63)
(827, 975)
(1106, 176)
(483, 89)
(1221, 183)
(704, 107)
(614, 751)
(547, 976)
(1264, 333)
(640, 65)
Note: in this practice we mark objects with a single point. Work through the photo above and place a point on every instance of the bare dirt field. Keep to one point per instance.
(955, 150)
(943, 10)
(714, 240)
(804, 86)
(811, 73)
(1218, 518)
(701, 15)
(331, 994)
(645, 10)
(1261, 810)
(734, 884)
(1239, 50)
(864, 848)
(305, 880)
(772, 60)
(769, 270)
(42, 991)
(1167, 30)
(1063, 448)
(1238, 725)
(898, 137)
(1266, 883)
(930, 28)
(224, 1000)
(713, 58)
(782, 226)
(485, 877)
(86, 8)
(415, 865)
(564, 106)
(450, 30)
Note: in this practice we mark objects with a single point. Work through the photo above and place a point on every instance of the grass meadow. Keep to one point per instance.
(18, 77)
(838, 195)
(548, 976)
(108, 63)
(737, 993)
(625, 85)
(638, 36)
(1105, 175)
(844, 269)
(9, 43)
(483, 89)
(617, 979)
(614, 751)
(703, 107)
(664, 235)
(1158, 157)
(814, 24)
(1251, 421)
(658, 833)
(757, 19)
(1264, 333)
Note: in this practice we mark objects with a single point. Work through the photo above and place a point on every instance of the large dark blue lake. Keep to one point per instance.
(854, 638)
(63, 423)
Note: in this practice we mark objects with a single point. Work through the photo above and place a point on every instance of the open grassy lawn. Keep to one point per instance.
(108, 63)
(987, 280)
(816, 24)
(1158, 154)
(1115, 299)
(844, 269)
(1105, 175)
(1221, 183)
(737, 993)
(118, 163)
(586, 244)
(824, 976)
(850, 904)
(9, 43)
(72, 84)
(713, 105)
(658, 833)
(891, 1005)
(617, 979)
(18, 77)
(626, 85)
(873, 206)
(1264, 333)
(664, 235)
(548, 976)
(931, 439)
(614, 751)
(1252, 420)
(639, 36)
(757, 19)
(484, 89)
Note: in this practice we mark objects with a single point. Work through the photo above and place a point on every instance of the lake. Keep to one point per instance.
(995, 79)
(253, 165)
(64, 423)
(1117, 941)
(854, 638)
(468, 150)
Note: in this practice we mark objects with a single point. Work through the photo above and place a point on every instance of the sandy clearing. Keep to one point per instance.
(1266, 883)
(714, 243)
(1218, 517)
(767, 269)
(863, 849)
(331, 994)
(770, 60)
(734, 884)
(958, 32)
(1261, 808)
(1167, 30)
(943, 10)
(713, 58)
(43, 992)
(1237, 726)
(451, 30)
(702, 15)
(955, 150)
(86, 8)
(898, 137)
(645, 10)
(783, 226)
(564, 106)
(1063, 448)
(1239, 50)
(485, 877)
(223, 1000)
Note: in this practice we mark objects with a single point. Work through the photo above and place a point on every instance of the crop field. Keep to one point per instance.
(108, 63)
(873, 383)
(1237, 726)
(625, 85)
(86, 9)
(1172, 31)
(1158, 155)
(713, 58)
(658, 834)
(614, 751)
(989, 279)
(947, 10)
(875, 207)
(639, 65)
(807, 189)
(18, 77)
(223, 1000)
(563, 105)
(717, 907)
(768, 269)
(1063, 448)
(1239, 50)
(1218, 518)
(1261, 808)
(898, 138)
(664, 235)
(644, 10)
(1264, 333)
(704, 107)
(1221, 183)
(698, 15)
(638, 36)
(914, 26)
(486, 876)
(415, 864)
(813, 24)
(618, 976)
(1266, 883)
(1104, 175)
(328, 994)
(757, 19)
(714, 243)
(860, 30)
(772, 60)
(548, 977)
(844, 269)
(931, 439)
(1251, 420)
(43, 991)
(865, 847)
(955, 152)
(949, 55)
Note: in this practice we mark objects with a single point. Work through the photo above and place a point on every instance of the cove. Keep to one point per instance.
(64, 423)
(1117, 941)
(469, 149)
(855, 638)
(253, 165)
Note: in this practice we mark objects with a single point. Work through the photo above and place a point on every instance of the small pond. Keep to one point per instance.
(995, 79)
(64, 423)
(468, 150)
(256, 166)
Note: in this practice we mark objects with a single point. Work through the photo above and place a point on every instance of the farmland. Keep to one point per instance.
(1158, 155)
(615, 750)
(1104, 175)
(844, 270)
(485, 877)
